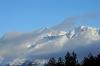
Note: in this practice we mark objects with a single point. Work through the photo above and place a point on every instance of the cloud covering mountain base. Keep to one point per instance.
(46, 42)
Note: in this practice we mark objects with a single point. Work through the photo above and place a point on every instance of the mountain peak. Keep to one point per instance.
(45, 40)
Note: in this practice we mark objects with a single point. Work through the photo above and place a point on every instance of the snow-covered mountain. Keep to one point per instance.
(46, 42)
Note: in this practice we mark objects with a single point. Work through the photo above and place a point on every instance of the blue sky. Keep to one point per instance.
(28, 15)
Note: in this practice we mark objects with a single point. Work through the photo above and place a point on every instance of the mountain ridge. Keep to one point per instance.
(44, 41)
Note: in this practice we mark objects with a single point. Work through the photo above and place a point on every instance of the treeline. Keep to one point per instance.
(70, 59)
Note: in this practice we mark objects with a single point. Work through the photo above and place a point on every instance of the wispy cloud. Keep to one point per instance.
(66, 24)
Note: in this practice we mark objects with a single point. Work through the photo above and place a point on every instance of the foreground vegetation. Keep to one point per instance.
(70, 59)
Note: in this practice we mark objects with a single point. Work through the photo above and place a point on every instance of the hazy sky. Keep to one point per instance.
(28, 15)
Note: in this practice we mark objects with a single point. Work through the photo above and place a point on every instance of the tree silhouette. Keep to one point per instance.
(52, 62)
(71, 59)
(89, 61)
(98, 60)
(67, 59)
(60, 62)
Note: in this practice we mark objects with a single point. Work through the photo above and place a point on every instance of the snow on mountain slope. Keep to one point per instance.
(47, 42)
